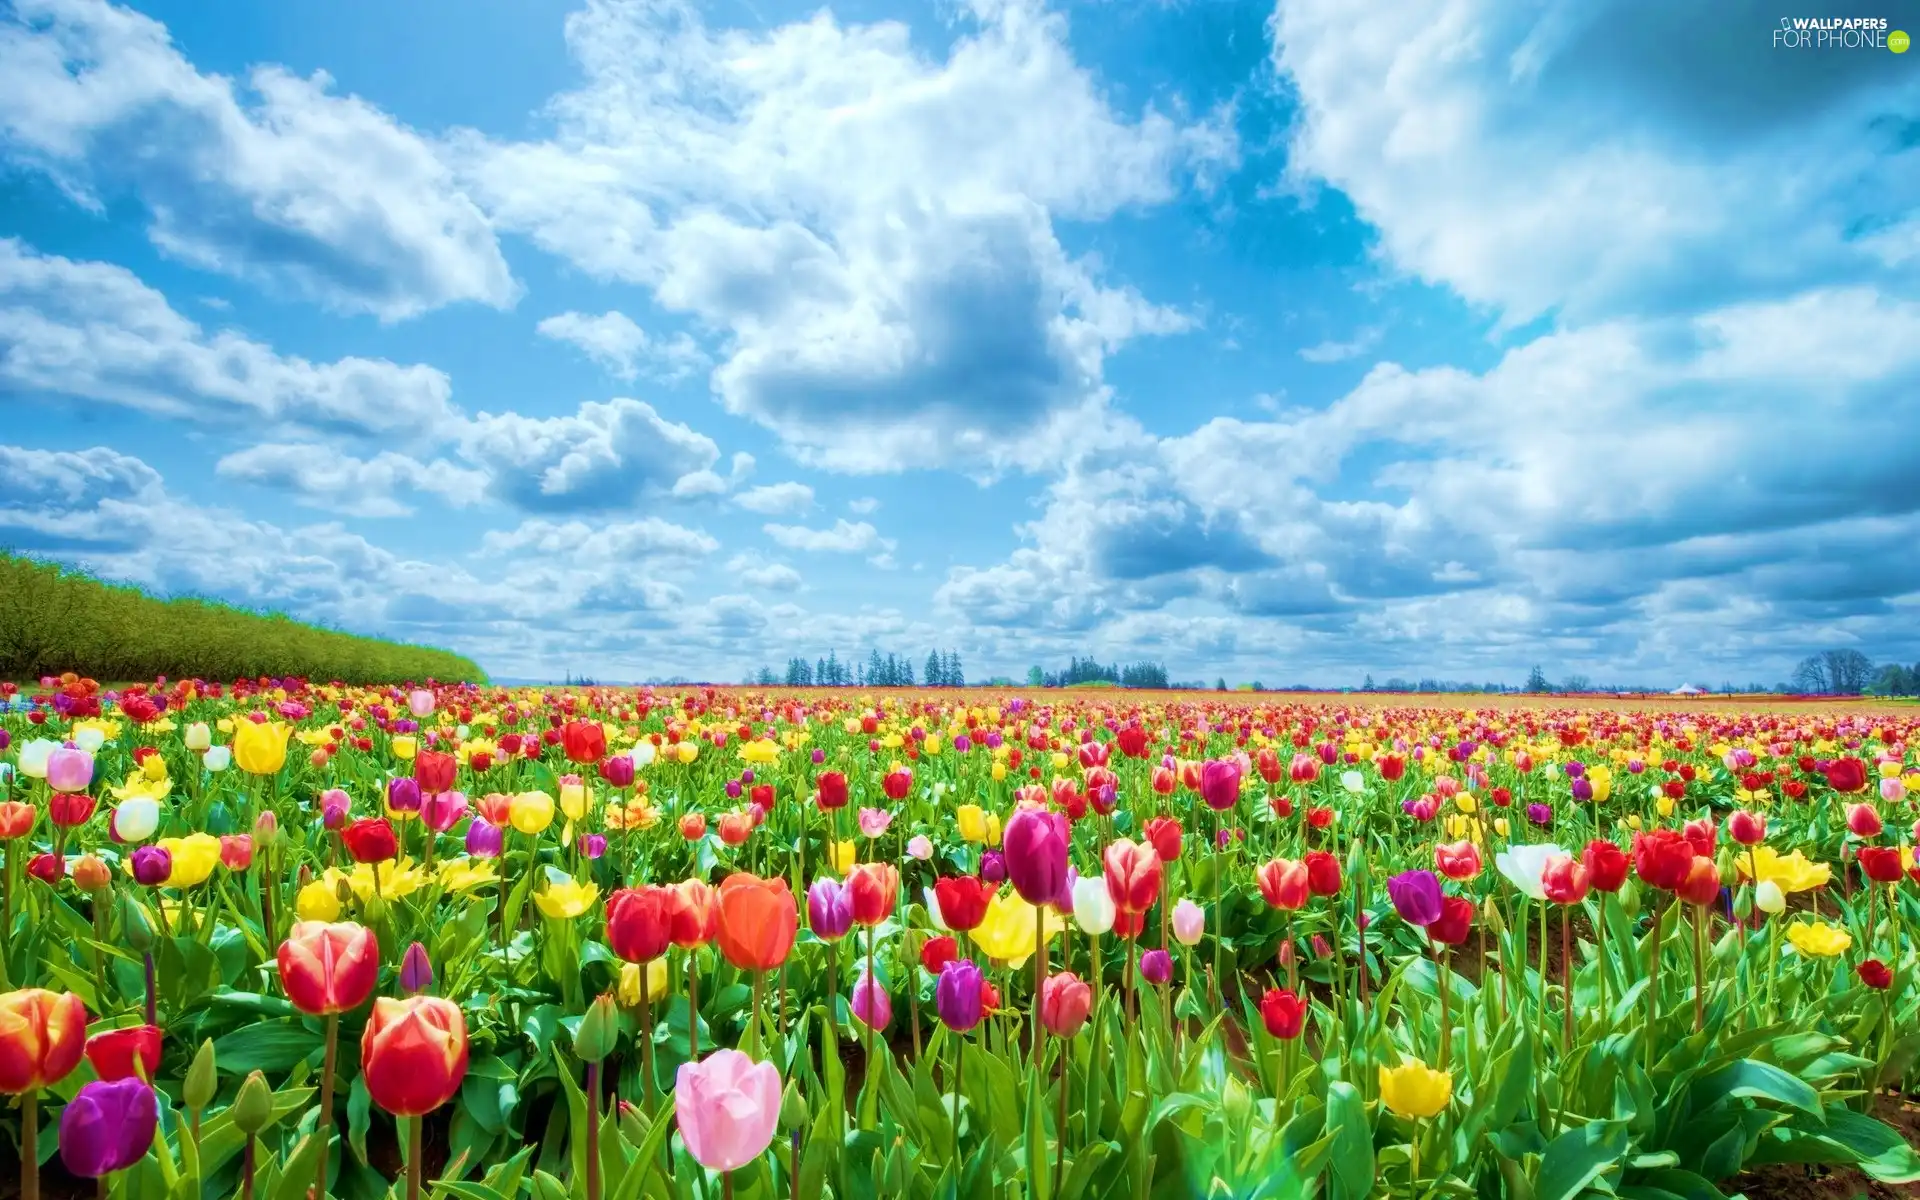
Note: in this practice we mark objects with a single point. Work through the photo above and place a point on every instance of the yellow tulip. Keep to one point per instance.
(842, 854)
(396, 879)
(932, 744)
(404, 747)
(563, 901)
(1500, 826)
(260, 748)
(318, 901)
(459, 874)
(194, 858)
(638, 982)
(530, 812)
(1889, 768)
(138, 788)
(1413, 1089)
(1793, 872)
(1060, 761)
(1602, 780)
(1664, 806)
(573, 800)
(1465, 802)
(686, 752)
(1818, 940)
(762, 751)
(972, 820)
(999, 771)
(1006, 932)
(155, 769)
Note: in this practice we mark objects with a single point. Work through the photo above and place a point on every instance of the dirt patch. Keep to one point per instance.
(1787, 1181)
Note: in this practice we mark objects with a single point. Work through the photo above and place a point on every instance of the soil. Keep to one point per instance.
(1791, 1182)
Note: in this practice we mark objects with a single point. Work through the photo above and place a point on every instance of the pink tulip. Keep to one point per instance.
(727, 1106)
(441, 811)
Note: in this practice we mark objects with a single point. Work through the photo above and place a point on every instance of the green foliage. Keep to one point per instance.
(55, 619)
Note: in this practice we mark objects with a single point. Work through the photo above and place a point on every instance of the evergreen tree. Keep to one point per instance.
(1036, 677)
(1368, 685)
(1537, 681)
(955, 676)
(935, 674)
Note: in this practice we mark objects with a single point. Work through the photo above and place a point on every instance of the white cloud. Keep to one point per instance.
(863, 506)
(871, 229)
(323, 478)
(768, 576)
(281, 181)
(578, 541)
(620, 347)
(1333, 351)
(605, 455)
(1539, 158)
(846, 537)
(776, 499)
(92, 331)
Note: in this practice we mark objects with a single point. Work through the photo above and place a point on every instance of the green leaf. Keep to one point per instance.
(270, 1045)
(1352, 1135)
(1756, 1080)
(297, 1175)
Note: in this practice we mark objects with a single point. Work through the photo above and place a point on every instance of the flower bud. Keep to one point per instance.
(253, 1108)
(203, 1078)
(598, 1031)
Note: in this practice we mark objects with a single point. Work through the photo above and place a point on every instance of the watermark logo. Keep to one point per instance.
(1839, 33)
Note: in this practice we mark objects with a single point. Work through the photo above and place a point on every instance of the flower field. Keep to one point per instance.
(279, 940)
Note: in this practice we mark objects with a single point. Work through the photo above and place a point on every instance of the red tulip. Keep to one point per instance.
(640, 922)
(1875, 974)
(1703, 834)
(1846, 775)
(1323, 873)
(1881, 864)
(329, 968)
(832, 787)
(413, 1056)
(1606, 865)
(1863, 820)
(1283, 1013)
(434, 770)
(1564, 880)
(16, 819)
(963, 901)
(1702, 884)
(1663, 858)
(1065, 1002)
(897, 783)
(130, 1053)
(1747, 828)
(936, 953)
(371, 840)
(583, 741)
(1456, 921)
(1164, 833)
(1459, 861)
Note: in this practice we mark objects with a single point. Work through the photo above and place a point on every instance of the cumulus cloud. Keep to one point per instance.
(776, 499)
(321, 478)
(620, 347)
(605, 455)
(768, 576)
(871, 229)
(649, 537)
(278, 180)
(93, 331)
(846, 537)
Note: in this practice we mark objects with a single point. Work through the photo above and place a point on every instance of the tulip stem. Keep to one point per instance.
(593, 1131)
(646, 1045)
(1566, 978)
(1699, 968)
(1653, 985)
(959, 1061)
(1039, 978)
(1446, 1010)
(246, 1187)
(324, 1128)
(870, 1086)
(30, 1145)
(418, 1123)
(1060, 1125)
(693, 1006)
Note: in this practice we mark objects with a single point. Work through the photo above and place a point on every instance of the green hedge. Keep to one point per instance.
(55, 619)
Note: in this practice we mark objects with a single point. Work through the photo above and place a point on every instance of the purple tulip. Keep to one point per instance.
(1416, 897)
(403, 794)
(618, 770)
(484, 839)
(963, 743)
(871, 1004)
(1220, 784)
(993, 867)
(957, 996)
(108, 1127)
(1541, 815)
(819, 756)
(1583, 789)
(1576, 769)
(593, 845)
(1035, 845)
(829, 909)
(1156, 967)
(334, 804)
(416, 972)
(152, 865)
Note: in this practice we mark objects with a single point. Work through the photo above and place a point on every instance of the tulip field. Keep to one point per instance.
(270, 938)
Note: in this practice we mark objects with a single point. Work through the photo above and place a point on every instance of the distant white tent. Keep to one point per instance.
(1687, 689)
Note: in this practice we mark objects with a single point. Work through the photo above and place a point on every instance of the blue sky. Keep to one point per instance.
(646, 339)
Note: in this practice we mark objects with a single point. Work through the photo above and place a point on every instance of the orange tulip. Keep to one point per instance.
(758, 919)
(414, 1053)
(16, 819)
(329, 968)
(695, 917)
(1283, 882)
(42, 1035)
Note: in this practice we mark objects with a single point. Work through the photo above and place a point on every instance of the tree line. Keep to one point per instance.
(942, 669)
(55, 619)
(1090, 670)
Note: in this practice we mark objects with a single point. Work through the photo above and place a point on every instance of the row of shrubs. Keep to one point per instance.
(55, 619)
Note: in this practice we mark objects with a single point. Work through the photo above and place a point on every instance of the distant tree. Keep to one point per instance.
(1220, 685)
(1834, 673)
(936, 672)
(1577, 683)
(955, 676)
(1036, 677)
(1537, 681)
(1368, 685)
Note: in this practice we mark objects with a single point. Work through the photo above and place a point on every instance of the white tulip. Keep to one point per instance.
(33, 757)
(218, 758)
(1524, 866)
(1093, 909)
(90, 739)
(136, 819)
